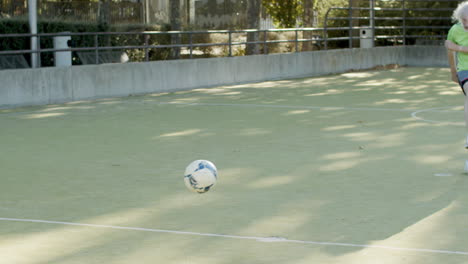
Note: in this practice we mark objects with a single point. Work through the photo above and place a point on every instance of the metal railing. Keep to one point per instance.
(372, 18)
(190, 46)
(319, 38)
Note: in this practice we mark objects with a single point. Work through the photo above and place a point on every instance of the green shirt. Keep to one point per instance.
(459, 36)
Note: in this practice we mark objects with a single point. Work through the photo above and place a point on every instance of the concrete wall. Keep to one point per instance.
(64, 84)
(424, 56)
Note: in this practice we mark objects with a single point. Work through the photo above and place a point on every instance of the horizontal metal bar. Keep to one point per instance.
(153, 32)
(315, 38)
(13, 52)
(389, 27)
(376, 8)
(390, 18)
(408, 1)
(220, 31)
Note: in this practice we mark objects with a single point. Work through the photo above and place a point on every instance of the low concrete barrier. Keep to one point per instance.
(25, 87)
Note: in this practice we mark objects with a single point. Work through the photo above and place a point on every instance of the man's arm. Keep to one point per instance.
(451, 49)
(454, 47)
(453, 69)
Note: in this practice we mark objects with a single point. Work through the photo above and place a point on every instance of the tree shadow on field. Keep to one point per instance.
(326, 166)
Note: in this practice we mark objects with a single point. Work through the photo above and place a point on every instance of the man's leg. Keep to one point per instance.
(465, 88)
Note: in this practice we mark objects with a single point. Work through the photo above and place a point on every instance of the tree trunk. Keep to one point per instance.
(175, 26)
(307, 19)
(104, 13)
(104, 21)
(253, 19)
(355, 22)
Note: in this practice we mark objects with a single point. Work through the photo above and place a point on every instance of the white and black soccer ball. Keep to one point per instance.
(200, 176)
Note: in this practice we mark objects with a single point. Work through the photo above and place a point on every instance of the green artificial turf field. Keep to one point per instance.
(360, 167)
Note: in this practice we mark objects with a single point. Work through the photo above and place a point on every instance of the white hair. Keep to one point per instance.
(460, 12)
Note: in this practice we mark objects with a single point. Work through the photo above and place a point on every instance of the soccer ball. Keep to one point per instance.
(200, 176)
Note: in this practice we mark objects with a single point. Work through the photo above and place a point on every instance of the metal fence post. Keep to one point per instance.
(96, 46)
(191, 44)
(404, 22)
(230, 43)
(350, 25)
(146, 47)
(297, 40)
(372, 21)
(39, 51)
(265, 51)
(325, 30)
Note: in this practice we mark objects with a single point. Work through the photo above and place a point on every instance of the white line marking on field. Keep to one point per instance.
(443, 174)
(437, 109)
(259, 239)
(272, 239)
(327, 108)
(414, 114)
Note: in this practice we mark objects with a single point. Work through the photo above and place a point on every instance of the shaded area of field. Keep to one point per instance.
(338, 159)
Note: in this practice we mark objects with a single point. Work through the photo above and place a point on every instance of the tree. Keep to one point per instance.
(289, 13)
(307, 19)
(253, 18)
(104, 13)
(356, 22)
(175, 26)
(284, 12)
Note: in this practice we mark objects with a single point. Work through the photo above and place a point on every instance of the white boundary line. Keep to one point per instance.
(328, 108)
(437, 109)
(414, 114)
(259, 239)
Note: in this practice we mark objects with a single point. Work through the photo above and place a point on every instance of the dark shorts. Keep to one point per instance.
(462, 79)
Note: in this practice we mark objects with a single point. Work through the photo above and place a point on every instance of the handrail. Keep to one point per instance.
(317, 39)
(372, 18)
(320, 38)
(97, 48)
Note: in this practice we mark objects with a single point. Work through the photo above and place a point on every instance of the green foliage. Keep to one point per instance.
(322, 6)
(18, 26)
(288, 13)
(285, 13)
(10, 26)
